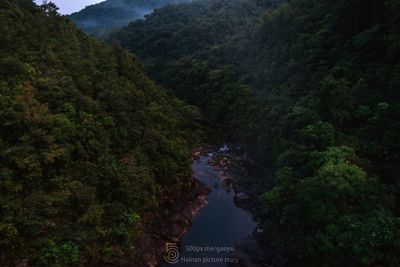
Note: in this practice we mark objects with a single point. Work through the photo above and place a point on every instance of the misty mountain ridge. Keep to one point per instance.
(99, 19)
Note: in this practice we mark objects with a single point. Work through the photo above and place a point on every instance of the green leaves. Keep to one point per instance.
(315, 83)
(58, 255)
(334, 213)
(87, 143)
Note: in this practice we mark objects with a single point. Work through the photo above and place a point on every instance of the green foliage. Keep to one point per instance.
(66, 254)
(88, 144)
(339, 216)
(102, 18)
(315, 84)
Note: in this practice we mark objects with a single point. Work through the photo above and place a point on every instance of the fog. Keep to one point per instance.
(116, 13)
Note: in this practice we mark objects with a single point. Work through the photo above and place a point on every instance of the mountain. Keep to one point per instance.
(88, 144)
(312, 87)
(94, 155)
(101, 18)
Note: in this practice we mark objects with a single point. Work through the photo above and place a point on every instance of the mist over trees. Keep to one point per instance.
(101, 18)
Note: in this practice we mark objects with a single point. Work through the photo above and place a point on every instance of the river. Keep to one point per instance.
(216, 227)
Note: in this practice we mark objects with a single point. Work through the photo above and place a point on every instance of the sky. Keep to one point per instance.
(70, 6)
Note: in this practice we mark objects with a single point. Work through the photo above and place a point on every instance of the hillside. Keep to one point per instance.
(314, 85)
(88, 144)
(101, 18)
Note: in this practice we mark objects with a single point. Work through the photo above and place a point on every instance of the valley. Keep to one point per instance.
(238, 133)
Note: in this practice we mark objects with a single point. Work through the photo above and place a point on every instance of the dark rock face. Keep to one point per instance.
(163, 227)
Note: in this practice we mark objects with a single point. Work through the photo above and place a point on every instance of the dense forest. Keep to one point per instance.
(89, 144)
(100, 19)
(313, 88)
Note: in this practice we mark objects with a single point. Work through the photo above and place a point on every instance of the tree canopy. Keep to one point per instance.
(88, 143)
(102, 18)
(315, 83)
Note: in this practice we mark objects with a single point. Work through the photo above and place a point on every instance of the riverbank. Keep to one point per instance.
(249, 183)
(169, 223)
(220, 223)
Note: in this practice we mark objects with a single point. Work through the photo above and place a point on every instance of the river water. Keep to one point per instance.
(216, 227)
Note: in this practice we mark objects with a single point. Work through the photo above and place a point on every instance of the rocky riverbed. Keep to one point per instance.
(171, 224)
(238, 169)
(234, 164)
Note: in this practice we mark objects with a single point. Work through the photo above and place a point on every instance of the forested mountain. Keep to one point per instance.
(315, 84)
(101, 18)
(88, 144)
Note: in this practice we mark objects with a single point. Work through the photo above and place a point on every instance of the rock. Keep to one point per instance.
(157, 228)
(196, 155)
(206, 190)
(23, 263)
(225, 148)
(241, 197)
(217, 168)
(226, 180)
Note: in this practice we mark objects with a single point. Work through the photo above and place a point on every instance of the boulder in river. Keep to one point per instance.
(226, 180)
(241, 197)
(196, 155)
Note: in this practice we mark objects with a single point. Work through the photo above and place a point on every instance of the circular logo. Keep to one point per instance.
(171, 253)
